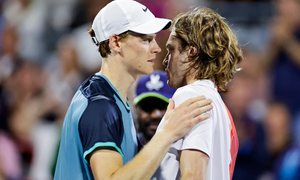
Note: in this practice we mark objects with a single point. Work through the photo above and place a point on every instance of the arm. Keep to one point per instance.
(108, 164)
(193, 164)
(292, 48)
(282, 38)
(194, 157)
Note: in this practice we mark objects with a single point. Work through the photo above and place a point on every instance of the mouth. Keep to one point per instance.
(151, 61)
(153, 127)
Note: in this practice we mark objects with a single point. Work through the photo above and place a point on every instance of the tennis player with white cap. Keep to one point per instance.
(98, 138)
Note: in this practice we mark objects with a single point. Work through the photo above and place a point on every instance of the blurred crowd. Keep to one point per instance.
(46, 52)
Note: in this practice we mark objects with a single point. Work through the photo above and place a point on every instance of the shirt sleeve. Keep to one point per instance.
(200, 137)
(101, 126)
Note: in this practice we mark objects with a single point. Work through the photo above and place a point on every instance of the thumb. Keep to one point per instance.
(170, 106)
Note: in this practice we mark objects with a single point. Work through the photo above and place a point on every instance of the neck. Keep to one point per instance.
(190, 78)
(118, 76)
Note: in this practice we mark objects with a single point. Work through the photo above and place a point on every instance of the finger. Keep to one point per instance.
(203, 103)
(199, 111)
(199, 104)
(191, 101)
(170, 105)
(200, 118)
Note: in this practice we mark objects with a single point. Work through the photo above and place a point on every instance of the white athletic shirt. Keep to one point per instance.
(215, 136)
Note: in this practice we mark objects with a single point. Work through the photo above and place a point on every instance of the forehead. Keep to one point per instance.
(173, 40)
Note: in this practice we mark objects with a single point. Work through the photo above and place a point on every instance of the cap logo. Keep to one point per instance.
(154, 82)
(145, 9)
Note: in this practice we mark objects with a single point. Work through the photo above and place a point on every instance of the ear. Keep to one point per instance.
(114, 43)
(192, 51)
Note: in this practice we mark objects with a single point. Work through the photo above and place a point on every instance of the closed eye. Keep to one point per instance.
(169, 48)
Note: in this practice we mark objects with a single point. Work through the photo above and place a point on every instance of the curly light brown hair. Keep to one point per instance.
(218, 52)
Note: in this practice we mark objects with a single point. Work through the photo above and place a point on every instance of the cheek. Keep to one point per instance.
(135, 49)
(172, 60)
(143, 115)
(175, 64)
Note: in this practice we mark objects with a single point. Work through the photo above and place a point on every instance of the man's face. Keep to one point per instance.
(150, 111)
(176, 62)
(139, 52)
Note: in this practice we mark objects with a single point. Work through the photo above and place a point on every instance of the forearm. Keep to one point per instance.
(193, 165)
(292, 48)
(268, 56)
(143, 166)
(145, 163)
(108, 164)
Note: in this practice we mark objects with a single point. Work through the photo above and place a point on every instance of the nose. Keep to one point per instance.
(166, 60)
(156, 48)
(156, 113)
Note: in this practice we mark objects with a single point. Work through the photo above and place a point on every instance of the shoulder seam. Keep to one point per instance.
(98, 97)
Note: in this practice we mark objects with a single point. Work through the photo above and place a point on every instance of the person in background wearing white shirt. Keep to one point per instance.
(203, 54)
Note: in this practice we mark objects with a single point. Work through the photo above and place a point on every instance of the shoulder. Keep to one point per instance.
(190, 91)
(96, 85)
(101, 111)
(102, 105)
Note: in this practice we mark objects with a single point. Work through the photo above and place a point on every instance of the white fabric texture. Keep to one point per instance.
(211, 136)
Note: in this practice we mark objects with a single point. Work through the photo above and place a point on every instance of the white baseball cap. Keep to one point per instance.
(120, 16)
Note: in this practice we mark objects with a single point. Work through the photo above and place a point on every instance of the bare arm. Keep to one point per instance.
(268, 57)
(193, 164)
(282, 38)
(108, 164)
(292, 48)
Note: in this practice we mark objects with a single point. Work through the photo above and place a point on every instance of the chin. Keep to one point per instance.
(170, 83)
(149, 71)
(174, 85)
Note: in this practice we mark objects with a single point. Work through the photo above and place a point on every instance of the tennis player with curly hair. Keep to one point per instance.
(203, 55)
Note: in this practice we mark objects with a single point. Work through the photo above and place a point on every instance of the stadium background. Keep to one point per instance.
(46, 52)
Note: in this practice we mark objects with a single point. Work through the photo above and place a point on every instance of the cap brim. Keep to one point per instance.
(142, 96)
(153, 26)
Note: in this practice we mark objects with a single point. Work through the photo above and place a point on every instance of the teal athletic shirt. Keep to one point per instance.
(97, 117)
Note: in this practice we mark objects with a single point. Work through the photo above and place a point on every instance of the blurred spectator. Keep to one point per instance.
(9, 56)
(26, 105)
(1, 21)
(89, 57)
(284, 161)
(10, 160)
(64, 73)
(252, 152)
(28, 17)
(63, 81)
(151, 101)
(245, 100)
(282, 57)
(60, 13)
(9, 61)
(13, 156)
